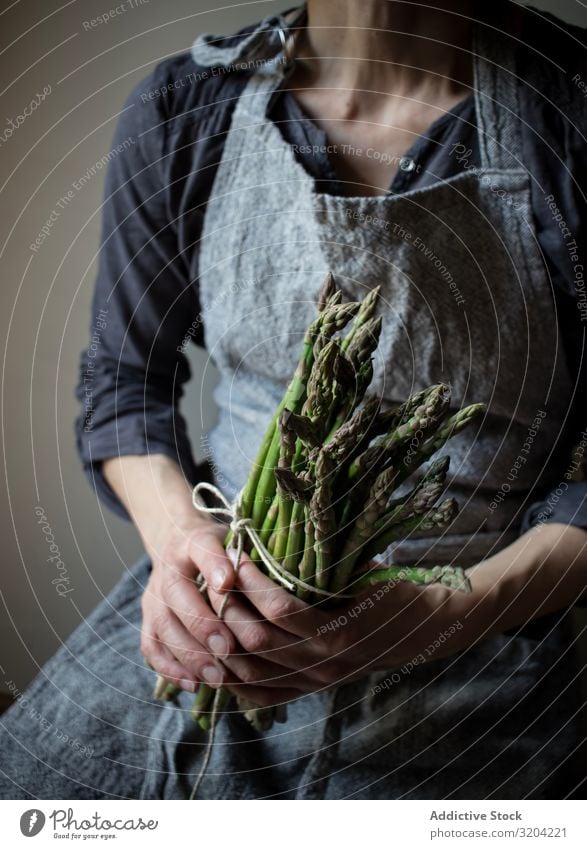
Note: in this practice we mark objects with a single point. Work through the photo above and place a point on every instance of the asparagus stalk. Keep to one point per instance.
(165, 690)
(334, 318)
(423, 419)
(362, 529)
(202, 704)
(323, 518)
(390, 419)
(307, 568)
(287, 449)
(316, 407)
(261, 718)
(360, 353)
(295, 539)
(451, 576)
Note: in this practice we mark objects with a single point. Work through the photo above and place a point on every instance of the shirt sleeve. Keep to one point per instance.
(144, 310)
(566, 504)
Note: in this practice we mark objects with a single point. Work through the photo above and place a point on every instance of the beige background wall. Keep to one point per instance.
(44, 310)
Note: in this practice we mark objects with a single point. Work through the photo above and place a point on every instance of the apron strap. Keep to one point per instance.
(497, 98)
(267, 51)
(260, 50)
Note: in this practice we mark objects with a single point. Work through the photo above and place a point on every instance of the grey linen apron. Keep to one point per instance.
(465, 300)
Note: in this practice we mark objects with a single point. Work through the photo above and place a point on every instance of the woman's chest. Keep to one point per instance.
(367, 149)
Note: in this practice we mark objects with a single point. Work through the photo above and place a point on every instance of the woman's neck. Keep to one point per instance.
(387, 45)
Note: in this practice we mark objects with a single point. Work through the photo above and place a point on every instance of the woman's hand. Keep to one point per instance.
(181, 636)
(312, 649)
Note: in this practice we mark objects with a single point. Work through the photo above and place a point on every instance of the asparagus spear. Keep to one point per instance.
(362, 529)
(326, 292)
(323, 518)
(451, 427)
(307, 567)
(261, 718)
(418, 415)
(165, 690)
(286, 454)
(302, 428)
(451, 576)
(344, 441)
(316, 407)
(390, 419)
(421, 420)
(295, 539)
(360, 352)
(334, 317)
(422, 497)
(437, 517)
(202, 703)
(365, 313)
(319, 388)
(290, 491)
(260, 486)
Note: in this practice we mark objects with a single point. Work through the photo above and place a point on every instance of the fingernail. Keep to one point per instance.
(190, 686)
(218, 578)
(212, 675)
(218, 645)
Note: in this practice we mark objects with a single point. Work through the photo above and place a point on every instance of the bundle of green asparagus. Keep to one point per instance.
(320, 495)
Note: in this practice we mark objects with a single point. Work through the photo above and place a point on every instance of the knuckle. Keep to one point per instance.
(190, 658)
(279, 608)
(249, 674)
(166, 669)
(256, 639)
(198, 626)
(157, 621)
(194, 545)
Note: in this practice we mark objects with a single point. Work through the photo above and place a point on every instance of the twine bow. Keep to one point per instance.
(241, 526)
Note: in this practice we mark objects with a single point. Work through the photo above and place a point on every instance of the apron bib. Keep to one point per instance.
(466, 300)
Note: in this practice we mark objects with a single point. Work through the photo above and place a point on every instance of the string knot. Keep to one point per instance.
(241, 527)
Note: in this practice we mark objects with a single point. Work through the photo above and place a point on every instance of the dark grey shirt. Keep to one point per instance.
(171, 135)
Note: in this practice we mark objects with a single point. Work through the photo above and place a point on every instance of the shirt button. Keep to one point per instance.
(407, 164)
